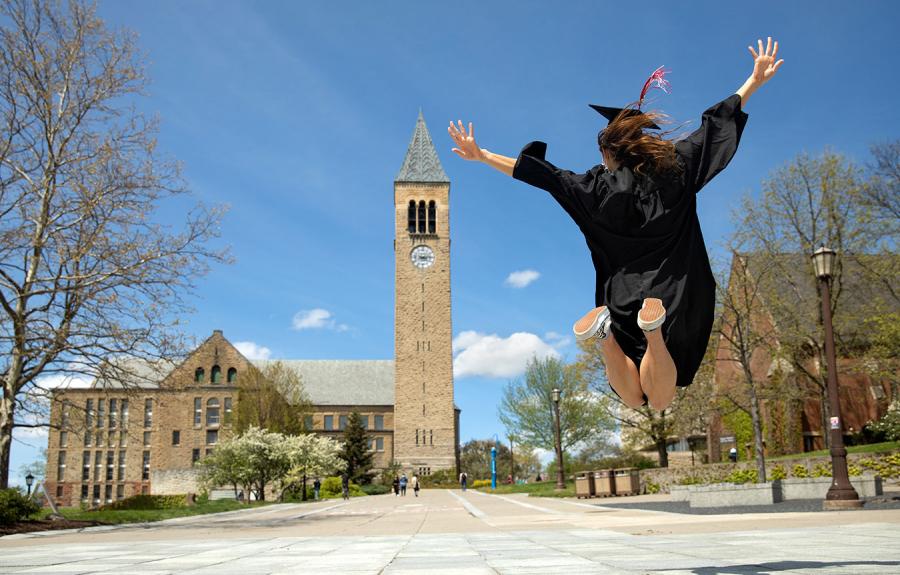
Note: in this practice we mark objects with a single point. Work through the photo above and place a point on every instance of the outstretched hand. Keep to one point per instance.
(764, 64)
(467, 148)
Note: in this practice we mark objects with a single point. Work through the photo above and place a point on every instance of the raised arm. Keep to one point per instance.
(468, 149)
(764, 67)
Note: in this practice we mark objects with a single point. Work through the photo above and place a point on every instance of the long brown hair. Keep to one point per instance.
(627, 142)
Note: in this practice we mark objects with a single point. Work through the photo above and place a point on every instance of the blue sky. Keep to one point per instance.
(298, 115)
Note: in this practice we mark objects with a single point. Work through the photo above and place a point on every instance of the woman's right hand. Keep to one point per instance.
(466, 147)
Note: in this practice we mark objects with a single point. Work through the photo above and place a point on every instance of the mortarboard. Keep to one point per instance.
(656, 80)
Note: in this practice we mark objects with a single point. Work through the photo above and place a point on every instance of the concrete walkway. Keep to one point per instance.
(454, 532)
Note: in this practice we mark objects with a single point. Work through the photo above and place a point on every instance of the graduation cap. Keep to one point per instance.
(656, 80)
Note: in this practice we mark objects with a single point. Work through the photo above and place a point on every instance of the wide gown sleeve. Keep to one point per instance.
(708, 150)
(574, 192)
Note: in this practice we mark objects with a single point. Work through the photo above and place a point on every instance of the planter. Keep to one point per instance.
(817, 487)
(733, 495)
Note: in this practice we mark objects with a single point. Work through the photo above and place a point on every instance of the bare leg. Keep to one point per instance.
(622, 374)
(658, 372)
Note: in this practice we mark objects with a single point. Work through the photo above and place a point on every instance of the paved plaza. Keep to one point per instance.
(450, 532)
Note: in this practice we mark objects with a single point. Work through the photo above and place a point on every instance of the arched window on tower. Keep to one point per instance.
(411, 217)
(199, 375)
(232, 375)
(215, 376)
(432, 217)
(421, 216)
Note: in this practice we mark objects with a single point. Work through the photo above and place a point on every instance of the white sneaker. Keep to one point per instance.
(595, 323)
(652, 314)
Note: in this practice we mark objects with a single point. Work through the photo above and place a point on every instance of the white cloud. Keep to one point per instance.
(317, 318)
(479, 354)
(64, 381)
(251, 350)
(557, 340)
(521, 278)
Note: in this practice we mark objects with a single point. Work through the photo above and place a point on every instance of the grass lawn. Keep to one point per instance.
(542, 489)
(885, 447)
(111, 516)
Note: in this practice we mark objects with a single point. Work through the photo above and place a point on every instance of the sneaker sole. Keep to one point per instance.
(589, 325)
(652, 314)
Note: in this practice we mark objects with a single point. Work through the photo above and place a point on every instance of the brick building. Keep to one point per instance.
(111, 439)
(791, 407)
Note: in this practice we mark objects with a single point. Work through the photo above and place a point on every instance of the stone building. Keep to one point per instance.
(142, 431)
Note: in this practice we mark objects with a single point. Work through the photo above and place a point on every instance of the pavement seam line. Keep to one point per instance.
(528, 505)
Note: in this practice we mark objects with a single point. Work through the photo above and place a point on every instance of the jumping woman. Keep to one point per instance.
(655, 292)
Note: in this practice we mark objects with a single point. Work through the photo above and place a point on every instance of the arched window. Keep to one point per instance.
(411, 217)
(215, 376)
(199, 374)
(232, 375)
(422, 216)
(212, 411)
(432, 218)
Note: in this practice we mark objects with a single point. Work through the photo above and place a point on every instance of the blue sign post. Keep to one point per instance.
(493, 467)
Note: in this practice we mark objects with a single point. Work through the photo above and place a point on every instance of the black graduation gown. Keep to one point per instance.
(644, 235)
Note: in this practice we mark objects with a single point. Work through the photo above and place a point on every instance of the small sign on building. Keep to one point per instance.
(726, 439)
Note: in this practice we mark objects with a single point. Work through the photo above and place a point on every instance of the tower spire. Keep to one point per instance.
(421, 163)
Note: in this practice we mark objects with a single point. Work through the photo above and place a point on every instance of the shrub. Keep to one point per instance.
(375, 489)
(799, 470)
(331, 488)
(481, 483)
(854, 470)
(652, 487)
(821, 470)
(440, 478)
(149, 502)
(690, 480)
(778, 472)
(15, 507)
(743, 476)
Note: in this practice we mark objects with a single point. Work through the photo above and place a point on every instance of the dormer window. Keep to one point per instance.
(199, 375)
(215, 376)
(232, 375)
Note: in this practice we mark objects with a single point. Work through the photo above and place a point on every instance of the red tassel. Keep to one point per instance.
(656, 80)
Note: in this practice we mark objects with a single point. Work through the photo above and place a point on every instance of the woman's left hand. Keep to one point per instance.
(764, 64)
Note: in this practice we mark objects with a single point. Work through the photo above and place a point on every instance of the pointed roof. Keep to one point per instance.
(421, 163)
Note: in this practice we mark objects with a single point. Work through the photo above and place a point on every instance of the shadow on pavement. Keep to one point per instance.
(775, 566)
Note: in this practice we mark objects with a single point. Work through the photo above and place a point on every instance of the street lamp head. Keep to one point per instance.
(823, 261)
(554, 395)
(29, 480)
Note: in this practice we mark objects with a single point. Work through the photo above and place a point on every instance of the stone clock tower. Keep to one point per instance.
(425, 419)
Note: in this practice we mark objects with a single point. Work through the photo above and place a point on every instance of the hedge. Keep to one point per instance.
(15, 507)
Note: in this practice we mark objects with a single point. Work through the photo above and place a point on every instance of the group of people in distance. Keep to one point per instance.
(400, 484)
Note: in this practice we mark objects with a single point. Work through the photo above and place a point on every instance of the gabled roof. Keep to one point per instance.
(343, 382)
(421, 164)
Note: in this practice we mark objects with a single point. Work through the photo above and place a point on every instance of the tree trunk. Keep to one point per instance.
(663, 453)
(303, 495)
(7, 404)
(756, 420)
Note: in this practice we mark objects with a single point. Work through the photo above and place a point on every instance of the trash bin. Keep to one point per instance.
(584, 485)
(604, 483)
(628, 481)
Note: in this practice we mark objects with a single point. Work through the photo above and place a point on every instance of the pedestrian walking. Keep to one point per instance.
(404, 481)
(317, 485)
(396, 485)
(463, 480)
(415, 484)
(345, 487)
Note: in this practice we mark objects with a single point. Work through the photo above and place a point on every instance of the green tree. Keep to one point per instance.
(313, 456)
(526, 407)
(271, 398)
(355, 452)
(88, 271)
(475, 460)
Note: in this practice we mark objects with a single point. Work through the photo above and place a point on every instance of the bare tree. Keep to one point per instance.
(89, 274)
(809, 202)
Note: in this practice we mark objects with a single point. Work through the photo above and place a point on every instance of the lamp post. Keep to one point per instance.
(841, 494)
(560, 475)
(29, 481)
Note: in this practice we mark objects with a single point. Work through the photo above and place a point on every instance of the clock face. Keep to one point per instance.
(422, 257)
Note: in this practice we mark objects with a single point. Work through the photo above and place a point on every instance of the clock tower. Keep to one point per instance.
(425, 419)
